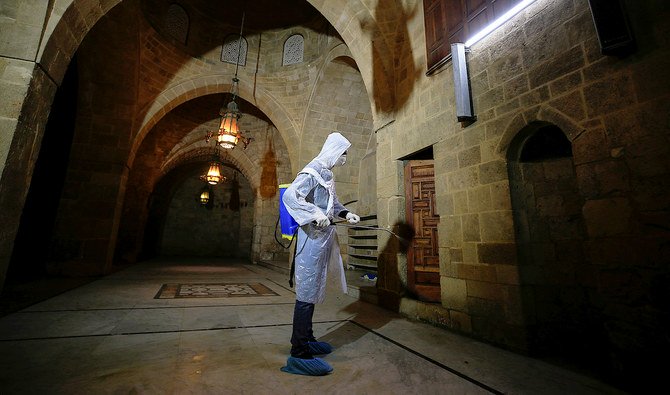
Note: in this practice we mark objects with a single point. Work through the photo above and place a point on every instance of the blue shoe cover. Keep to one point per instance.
(319, 348)
(307, 367)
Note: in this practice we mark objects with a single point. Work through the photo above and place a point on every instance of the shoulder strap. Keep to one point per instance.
(322, 182)
(315, 174)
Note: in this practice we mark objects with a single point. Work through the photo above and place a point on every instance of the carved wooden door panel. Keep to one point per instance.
(423, 261)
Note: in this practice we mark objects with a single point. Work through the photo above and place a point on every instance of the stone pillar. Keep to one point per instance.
(27, 93)
(90, 209)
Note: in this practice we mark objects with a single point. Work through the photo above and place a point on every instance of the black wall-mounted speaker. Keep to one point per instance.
(614, 33)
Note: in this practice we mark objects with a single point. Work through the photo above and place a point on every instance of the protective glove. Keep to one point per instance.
(353, 218)
(322, 221)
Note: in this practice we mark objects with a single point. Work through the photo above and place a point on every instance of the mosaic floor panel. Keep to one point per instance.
(217, 290)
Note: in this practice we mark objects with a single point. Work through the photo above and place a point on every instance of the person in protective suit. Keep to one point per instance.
(311, 200)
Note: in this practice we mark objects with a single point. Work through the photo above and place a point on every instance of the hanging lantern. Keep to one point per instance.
(229, 135)
(204, 196)
(229, 130)
(213, 175)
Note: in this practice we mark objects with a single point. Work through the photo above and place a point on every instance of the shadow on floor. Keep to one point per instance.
(20, 295)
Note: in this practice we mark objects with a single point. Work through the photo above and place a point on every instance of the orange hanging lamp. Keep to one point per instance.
(229, 135)
(204, 196)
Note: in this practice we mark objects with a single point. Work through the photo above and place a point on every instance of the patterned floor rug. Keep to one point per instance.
(217, 290)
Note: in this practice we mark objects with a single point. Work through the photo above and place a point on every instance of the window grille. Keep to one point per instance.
(294, 49)
(177, 23)
(230, 48)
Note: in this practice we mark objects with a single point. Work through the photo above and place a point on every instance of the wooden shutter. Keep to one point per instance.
(454, 21)
(437, 43)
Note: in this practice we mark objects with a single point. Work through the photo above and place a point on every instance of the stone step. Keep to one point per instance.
(359, 288)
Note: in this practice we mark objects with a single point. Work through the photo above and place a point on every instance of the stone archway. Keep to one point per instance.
(65, 26)
(206, 85)
(178, 224)
(569, 127)
(353, 21)
(175, 140)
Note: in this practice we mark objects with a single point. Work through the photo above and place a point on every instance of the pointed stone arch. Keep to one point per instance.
(351, 19)
(542, 114)
(206, 85)
(233, 157)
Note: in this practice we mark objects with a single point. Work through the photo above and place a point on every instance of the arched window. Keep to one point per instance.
(177, 23)
(229, 51)
(294, 49)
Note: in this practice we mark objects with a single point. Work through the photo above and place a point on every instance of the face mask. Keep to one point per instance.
(341, 160)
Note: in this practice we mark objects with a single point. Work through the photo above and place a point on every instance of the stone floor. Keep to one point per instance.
(114, 336)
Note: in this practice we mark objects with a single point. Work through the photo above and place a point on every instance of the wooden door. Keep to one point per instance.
(423, 261)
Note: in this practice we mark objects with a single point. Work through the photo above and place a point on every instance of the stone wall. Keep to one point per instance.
(545, 65)
(347, 110)
(214, 230)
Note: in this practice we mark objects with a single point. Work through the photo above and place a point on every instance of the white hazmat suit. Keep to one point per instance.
(311, 199)
(312, 202)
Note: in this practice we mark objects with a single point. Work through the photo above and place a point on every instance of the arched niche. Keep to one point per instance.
(556, 278)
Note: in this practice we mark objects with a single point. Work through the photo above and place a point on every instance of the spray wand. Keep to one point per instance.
(356, 226)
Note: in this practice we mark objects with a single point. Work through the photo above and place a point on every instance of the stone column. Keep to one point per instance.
(27, 92)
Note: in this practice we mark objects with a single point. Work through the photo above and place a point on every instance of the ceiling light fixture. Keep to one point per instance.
(213, 175)
(229, 135)
(204, 196)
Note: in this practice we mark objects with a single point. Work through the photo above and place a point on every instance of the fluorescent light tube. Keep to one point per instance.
(496, 24)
